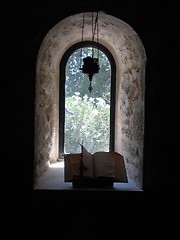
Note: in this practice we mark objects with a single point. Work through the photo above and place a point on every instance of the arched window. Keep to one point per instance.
(127, 107)
(85, 116)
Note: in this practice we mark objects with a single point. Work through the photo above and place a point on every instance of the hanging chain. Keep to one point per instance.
(94, 31)
(97, 33)
(92, 45)
(82, 38)
(91, 65)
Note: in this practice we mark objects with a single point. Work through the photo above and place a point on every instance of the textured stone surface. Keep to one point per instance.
(126, 47)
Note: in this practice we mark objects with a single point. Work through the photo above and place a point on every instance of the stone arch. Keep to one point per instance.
(130, 58)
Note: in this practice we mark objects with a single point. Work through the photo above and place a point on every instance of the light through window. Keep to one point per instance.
(87, 115)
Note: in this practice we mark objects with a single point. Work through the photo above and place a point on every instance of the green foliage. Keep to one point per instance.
(87, 122)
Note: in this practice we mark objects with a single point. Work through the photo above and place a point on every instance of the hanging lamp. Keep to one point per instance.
(90, 63)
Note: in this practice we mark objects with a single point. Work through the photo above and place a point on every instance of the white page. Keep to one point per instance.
(104, 164)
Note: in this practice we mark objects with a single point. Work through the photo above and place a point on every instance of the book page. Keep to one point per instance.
(110, 164)
(72, 164)
(88, 163)
(104, 164)
(120, 170)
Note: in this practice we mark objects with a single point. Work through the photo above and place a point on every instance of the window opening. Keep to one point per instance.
(88, 116)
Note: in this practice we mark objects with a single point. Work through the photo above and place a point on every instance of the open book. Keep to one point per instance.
(97, 169)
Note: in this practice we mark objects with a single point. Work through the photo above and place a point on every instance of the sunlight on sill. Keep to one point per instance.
(57, 165)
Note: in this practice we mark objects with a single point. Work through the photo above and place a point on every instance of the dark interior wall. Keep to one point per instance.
(26, 24)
